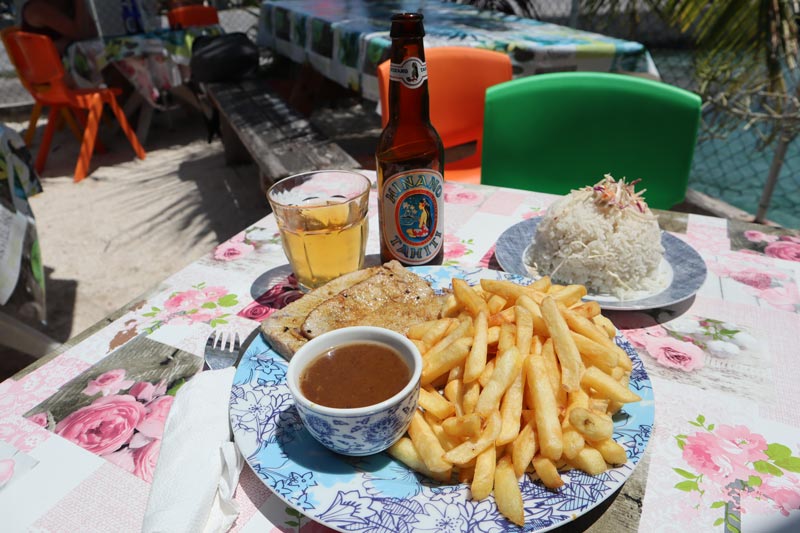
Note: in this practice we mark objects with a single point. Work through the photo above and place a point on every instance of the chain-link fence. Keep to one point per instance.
(732, 168)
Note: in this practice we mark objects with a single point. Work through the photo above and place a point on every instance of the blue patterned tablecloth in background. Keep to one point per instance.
(346, 40)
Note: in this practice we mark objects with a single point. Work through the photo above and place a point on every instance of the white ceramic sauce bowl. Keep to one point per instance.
(362, 430)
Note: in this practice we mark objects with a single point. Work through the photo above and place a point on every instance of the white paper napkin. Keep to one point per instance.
(198, 466)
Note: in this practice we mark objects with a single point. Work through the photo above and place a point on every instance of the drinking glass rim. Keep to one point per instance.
(276, 202)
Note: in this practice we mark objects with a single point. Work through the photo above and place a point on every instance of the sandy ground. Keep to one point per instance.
(132, 223)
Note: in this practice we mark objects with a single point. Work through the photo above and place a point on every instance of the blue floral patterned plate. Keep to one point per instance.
(378, 494)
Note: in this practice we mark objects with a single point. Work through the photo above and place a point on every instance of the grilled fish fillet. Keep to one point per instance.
(392, 298)
(387, 296)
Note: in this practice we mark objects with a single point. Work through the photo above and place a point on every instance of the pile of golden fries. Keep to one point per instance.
(516, 379)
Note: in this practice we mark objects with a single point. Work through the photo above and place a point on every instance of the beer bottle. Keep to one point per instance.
(409, 157)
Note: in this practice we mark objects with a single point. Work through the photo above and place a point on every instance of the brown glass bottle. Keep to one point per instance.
(409, 157)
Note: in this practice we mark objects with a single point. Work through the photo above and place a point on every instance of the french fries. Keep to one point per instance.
(517, 380)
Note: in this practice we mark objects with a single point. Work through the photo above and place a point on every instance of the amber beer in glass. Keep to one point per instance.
(322, 219)
(409, 157)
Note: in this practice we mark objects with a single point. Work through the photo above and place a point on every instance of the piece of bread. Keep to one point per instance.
(388, 296)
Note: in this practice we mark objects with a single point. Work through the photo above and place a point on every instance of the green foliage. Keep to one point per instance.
(173, 390)
(792, 464)
(746, 49)
(687, 486)
(778, 451)
(684, 473)
(229, 300)
(765, 467)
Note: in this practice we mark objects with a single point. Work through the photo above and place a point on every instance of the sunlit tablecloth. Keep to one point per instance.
(153, 62)
(725, 373)
(347, 40)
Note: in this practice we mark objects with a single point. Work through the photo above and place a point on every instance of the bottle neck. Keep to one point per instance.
(407, 103)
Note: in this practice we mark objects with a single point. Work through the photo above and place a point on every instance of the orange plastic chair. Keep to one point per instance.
(457, 81)
(40, 65)
(187, 16)
(36, 112)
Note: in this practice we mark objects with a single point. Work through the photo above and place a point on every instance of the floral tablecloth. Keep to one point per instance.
(347, 40)
(153, 62)
(80, 434)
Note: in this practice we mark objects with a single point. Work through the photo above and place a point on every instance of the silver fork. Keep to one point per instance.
(222, 350)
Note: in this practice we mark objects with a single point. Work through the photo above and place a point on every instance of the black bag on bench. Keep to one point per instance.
(230, 57)
(226, 57)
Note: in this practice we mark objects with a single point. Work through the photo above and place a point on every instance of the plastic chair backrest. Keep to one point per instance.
(187, 16)
(457, 80)
(557, 132)
(38, 61)
(13, 51)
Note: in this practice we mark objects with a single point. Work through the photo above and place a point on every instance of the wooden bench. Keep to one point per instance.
(257, 124)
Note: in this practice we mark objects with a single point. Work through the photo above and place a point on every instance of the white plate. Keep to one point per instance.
(684, 269)
(376, 493)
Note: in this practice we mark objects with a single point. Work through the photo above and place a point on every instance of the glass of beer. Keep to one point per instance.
(322, 218)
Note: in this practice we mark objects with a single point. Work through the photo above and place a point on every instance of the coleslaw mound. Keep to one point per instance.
(604, 237)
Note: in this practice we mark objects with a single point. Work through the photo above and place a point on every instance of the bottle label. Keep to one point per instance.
(411, 204)
(412, 72)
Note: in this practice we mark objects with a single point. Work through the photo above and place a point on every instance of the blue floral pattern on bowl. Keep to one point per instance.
(375, 493)
(361, 435)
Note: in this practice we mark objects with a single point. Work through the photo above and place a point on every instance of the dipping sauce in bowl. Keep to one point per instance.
(353, 375)
(356, 388)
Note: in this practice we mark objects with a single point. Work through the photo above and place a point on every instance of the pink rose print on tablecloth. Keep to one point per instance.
(736, 471)
(677, 354)
(152, 424)
(200, 304)
(788, 250)
(40, 419)
(110, 382)
(124, 427)
(785, 247)
(786, 297)
(239, 246)
(103, 426)
(231, 251)
(534, 212)
(146, 391)
(770, 285)
(782, 491)
(752, 278)
(145, 459)
(487, 257)
(455, 248)
(458, 194)
(759, 236)
(277, 297)
(684, 343)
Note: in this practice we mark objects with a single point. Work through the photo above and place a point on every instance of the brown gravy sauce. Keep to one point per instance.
(355, 375)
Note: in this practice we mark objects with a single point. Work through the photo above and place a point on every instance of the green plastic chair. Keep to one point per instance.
(557, 132)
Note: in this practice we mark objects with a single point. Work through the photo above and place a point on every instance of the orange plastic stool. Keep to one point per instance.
(187, 16)
(457, 81)
(13, 55)
(40, 65)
